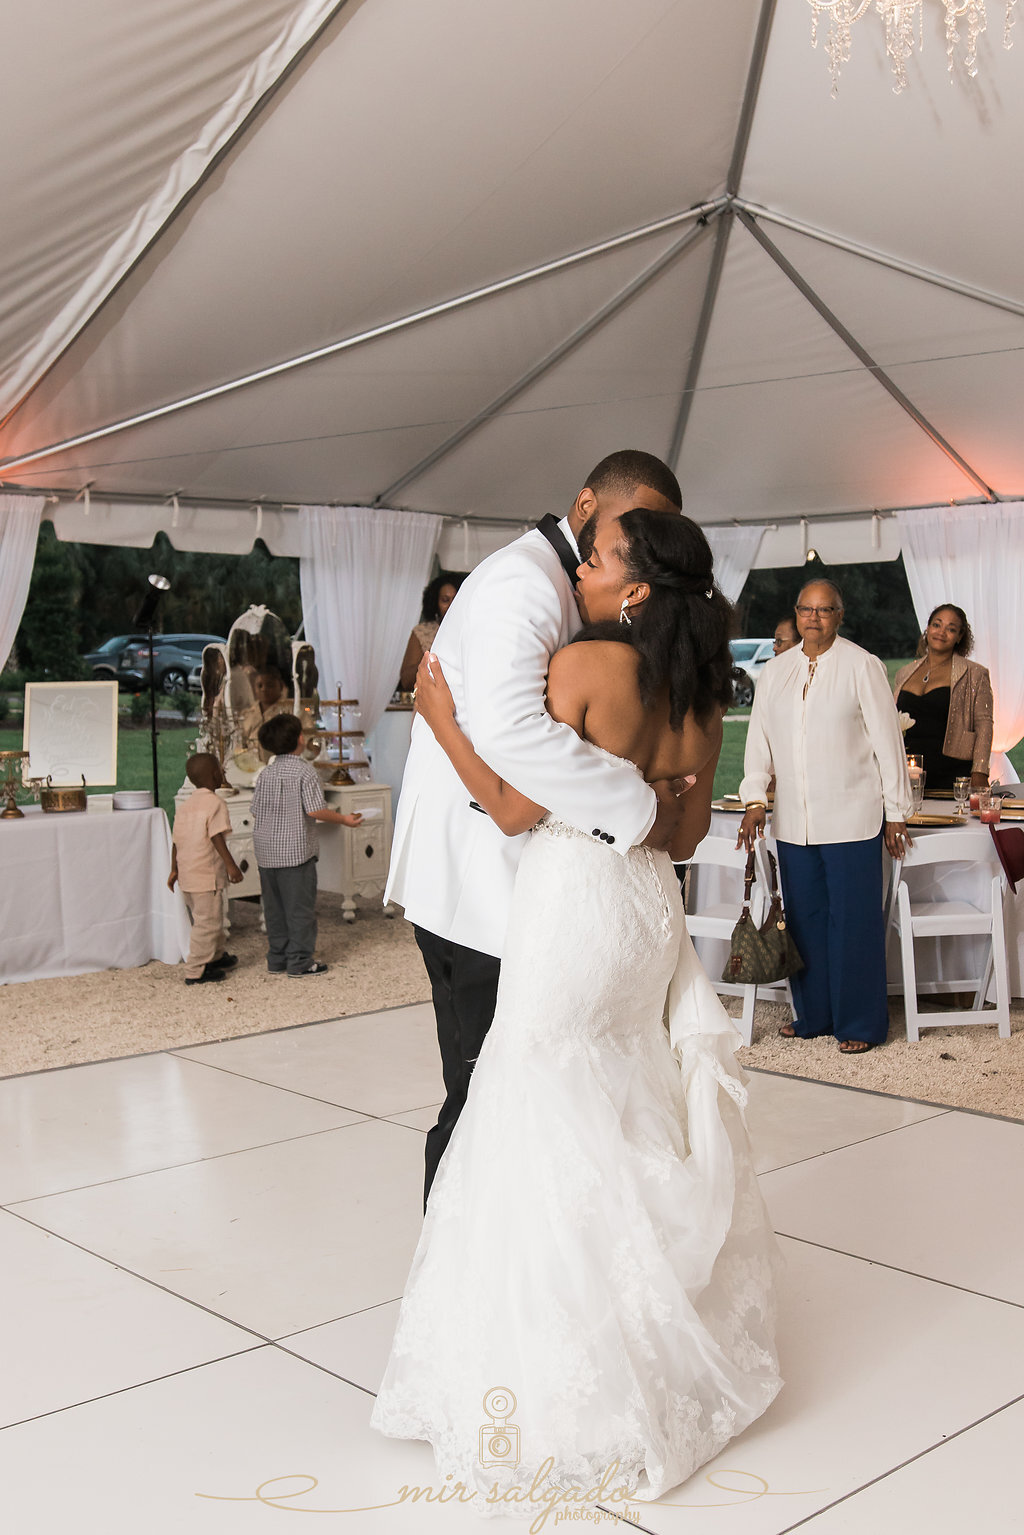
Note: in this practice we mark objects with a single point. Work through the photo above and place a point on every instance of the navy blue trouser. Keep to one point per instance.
(833, 897)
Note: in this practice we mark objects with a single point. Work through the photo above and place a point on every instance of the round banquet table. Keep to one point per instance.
(87, 890)
(938, 959)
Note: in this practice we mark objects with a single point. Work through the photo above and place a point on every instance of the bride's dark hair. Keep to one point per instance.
(681, 632)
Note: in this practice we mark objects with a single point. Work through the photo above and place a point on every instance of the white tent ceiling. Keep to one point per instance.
(444, 256)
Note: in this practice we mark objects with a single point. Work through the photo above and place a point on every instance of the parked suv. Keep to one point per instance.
(748, 662)
(107, 659)
(174, 657)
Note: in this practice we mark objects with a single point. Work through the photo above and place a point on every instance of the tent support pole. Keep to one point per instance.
(863, 356)
(578, 336)
(732, 185)
(701, 214)
(750, 95)
(879, 258)
(675, 447)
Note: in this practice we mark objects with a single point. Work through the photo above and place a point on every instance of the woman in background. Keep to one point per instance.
(438, 597)
(950, 701)
(824, 724)
(786, 635)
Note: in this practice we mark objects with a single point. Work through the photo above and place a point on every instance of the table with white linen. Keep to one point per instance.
(388, 747)
(87, 890)
(937, 958)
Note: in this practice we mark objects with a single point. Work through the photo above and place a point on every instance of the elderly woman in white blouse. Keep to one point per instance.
(825, 724)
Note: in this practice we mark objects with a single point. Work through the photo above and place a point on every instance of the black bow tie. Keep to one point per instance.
(560, 544)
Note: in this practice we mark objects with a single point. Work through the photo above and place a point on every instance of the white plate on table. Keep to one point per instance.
(133, 799)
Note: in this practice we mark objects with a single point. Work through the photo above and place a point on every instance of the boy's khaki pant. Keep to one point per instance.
(206, 909)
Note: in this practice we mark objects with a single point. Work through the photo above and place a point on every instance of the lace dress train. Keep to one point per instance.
(596, 1260)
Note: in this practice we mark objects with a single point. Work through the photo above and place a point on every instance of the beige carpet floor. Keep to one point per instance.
(375, 964)
(964, 1066)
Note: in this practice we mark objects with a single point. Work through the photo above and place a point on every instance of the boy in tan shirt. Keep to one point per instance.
(202, 864)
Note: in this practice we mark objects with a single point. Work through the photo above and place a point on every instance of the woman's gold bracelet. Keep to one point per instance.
(756, 804)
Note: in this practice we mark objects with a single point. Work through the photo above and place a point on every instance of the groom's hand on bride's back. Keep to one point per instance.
(670, 792)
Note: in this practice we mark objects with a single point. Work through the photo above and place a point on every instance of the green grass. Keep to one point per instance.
(135, 760)
(730, 763)
(135, 769)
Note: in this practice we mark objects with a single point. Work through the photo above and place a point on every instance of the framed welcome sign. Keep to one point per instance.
(71, 732)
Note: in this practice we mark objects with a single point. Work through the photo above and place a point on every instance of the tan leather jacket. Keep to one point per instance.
(969, 727)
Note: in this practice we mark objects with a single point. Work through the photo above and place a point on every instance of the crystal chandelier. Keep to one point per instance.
(903, 26)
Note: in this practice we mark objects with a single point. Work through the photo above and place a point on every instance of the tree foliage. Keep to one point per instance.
(49, 640)
(879, 613)
(83, 594)
(208, 591)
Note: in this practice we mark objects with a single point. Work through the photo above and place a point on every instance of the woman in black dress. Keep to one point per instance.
(950, 701)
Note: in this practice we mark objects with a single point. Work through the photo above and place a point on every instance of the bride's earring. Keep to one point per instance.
(624, 617)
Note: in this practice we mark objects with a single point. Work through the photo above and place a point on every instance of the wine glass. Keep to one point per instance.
(962, 795)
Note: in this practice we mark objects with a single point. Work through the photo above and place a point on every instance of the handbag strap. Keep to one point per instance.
(776, 898)
(748, 880)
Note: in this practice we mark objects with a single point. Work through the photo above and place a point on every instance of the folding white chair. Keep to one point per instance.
(716, 918)
(930, 918)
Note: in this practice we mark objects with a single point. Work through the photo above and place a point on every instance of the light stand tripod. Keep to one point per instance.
(144, 619)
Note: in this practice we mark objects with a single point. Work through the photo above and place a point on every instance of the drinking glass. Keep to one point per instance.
(962, 794)
(989, 807)
(916, 774)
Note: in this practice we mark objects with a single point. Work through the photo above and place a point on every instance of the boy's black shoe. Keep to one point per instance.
(224, 962)
(316, 968)
(209, 974)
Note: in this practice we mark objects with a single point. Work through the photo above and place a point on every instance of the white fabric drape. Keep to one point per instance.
(19, 530)
(735, 550)
(362, 572)
(973, 556)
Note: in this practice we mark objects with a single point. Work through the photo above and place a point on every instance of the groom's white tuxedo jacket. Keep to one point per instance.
(451, 868)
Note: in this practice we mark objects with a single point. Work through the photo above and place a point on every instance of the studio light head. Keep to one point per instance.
(155, 588)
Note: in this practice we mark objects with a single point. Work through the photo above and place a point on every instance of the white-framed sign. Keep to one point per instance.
(71, 732)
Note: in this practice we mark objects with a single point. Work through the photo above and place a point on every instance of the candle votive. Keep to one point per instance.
(989, 807)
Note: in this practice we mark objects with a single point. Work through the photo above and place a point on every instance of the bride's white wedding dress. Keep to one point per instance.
(595, 1242)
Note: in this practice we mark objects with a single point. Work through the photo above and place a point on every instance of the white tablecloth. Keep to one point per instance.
(388, 746)
(937, 958)
(86, 891)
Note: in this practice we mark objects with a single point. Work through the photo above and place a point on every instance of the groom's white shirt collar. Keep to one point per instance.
(570, 535)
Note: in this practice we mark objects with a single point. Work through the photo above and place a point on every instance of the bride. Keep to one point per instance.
(589, 1315)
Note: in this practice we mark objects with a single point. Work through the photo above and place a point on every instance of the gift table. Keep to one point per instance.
(87, 890)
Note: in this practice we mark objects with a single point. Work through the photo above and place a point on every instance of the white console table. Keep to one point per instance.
(354, 859)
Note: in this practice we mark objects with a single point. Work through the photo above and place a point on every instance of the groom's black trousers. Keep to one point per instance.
(464, 984)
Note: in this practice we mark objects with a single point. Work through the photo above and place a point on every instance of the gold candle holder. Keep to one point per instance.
(11, 768)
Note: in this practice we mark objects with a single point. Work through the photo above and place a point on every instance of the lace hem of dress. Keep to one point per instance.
(623, 1472)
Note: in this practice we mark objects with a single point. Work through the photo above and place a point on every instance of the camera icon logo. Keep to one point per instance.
(499, 1439)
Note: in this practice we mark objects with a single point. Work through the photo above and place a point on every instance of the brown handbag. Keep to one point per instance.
(785, 956)
(760, 956)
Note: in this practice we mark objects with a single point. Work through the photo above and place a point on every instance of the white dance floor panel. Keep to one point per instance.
(201, 1256)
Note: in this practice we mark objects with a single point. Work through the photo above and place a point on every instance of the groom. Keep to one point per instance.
(451, 868)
